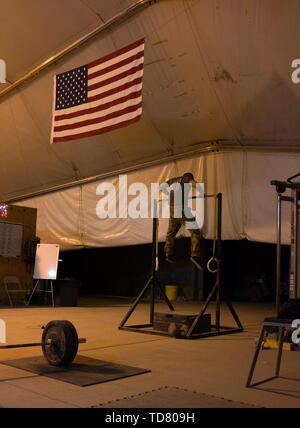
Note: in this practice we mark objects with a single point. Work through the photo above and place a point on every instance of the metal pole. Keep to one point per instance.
(258, 349)
(52, 294)
(298, 248)
(296, 199)
(27, 345)
(294, 231)
(32, 345)
(154, 243)
(220, 209)
(219, 256)
(153, 271)
(278, 268)
(280, 347)
(136, 302)
(154, 236)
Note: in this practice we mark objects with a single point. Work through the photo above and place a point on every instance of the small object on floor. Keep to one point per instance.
(197, 262)
(59, 343)
(176, 330)
(178, 325)
(274, 344)
(83, 372)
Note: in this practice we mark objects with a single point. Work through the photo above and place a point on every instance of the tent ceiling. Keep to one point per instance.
(42, 31)
(215, 70)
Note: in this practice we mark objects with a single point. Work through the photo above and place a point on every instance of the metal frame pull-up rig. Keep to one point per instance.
(294, 199)
(218, 290)
(286, 321)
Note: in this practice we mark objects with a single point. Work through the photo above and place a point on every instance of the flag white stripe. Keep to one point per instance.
(98, 126)
(113, 73)
(53, 108)
(100, 102)
(100, 114)
(116, 60)
(119, 65)
(115, 84)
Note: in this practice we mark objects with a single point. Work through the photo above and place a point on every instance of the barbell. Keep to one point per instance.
(59, 343)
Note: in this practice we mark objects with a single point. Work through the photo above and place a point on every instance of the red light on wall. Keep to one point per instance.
(3, 210)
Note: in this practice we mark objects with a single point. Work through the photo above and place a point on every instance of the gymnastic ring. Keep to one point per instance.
(213, 259)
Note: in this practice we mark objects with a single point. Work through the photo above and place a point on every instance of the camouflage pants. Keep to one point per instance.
(174, 226)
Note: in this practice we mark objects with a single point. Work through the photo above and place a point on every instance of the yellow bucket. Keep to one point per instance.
(171, 292)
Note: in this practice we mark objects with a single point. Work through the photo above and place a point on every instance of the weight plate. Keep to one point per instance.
(74, 349)
(177, 330)
(64, 346)
(173, 330)
(184, 329)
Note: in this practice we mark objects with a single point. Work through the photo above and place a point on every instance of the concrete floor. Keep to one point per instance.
(214, 366)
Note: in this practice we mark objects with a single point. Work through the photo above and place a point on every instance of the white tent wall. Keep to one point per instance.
(260, 197)
(69, 217)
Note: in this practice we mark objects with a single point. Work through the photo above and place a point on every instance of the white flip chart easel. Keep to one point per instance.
(46, 264)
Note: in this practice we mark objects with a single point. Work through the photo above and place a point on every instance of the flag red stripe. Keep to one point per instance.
(101, 119)
(116, 78)
(113, 91)
(117, 65)
(117, 53)
(116, 109)
(97, 131)
(99, 108)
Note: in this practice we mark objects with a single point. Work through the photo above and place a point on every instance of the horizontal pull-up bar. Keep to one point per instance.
(288, 199)
(206, 196)
(194, 197)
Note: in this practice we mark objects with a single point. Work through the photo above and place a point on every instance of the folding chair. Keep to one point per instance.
(12, 285)
(271, 325)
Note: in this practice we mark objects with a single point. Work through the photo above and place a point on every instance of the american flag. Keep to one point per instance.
(99, 97)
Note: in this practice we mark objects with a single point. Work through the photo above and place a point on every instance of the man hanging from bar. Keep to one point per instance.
(182, 218)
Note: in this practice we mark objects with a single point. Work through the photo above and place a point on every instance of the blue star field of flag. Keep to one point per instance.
(72, 88)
